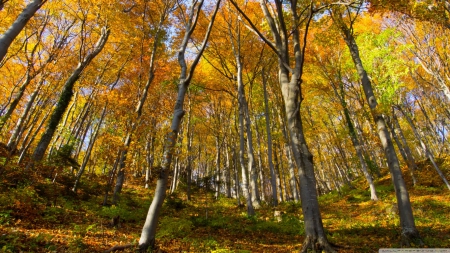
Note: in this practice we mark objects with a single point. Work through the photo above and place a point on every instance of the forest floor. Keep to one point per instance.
(39, 215)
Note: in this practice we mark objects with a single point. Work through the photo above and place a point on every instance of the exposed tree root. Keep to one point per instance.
(119, 248)
(317, 245)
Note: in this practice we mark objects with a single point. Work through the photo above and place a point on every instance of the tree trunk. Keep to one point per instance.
(236, 176)
(14, 139)
(190, 136)
(217, 172)
(244, 170)
(273, 179)
(147, 238)
(66, 96)
(89, 150)
(409, 230)
(246, 124)
(260, 165)
(228, 171)
(425, 147)
(401, 149)
(355, 140)
(176, 172)
(26, 145)
(409, 155)
(10, 35)
(150, 153)
(140, 105)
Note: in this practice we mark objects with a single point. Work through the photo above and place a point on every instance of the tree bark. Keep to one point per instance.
(245, 125)
(273, 179)
(260, 163)
(409, 155)
(401, 150)
(244, 170)
(217, 172)
(190, 136)
(10, 35)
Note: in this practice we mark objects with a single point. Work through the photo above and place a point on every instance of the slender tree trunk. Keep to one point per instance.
(10, 35)
(150, 153)
(244, 113)
(409, 155)
(176, 172)
(25, 145)
(14, 139)
(89, 150)
(278, 164)
(273, 179)
(236, 176)
(83, 138)
(217, 172)
(190, 136)
(401, 150)
(409, 230)
(66, 96)
(121, 168)
(425, 148)
(355, 140)
(228, 171)
(149, 229)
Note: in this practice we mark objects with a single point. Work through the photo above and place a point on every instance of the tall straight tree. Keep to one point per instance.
(165, 11)
(149, 230)
(286, 37)
(249, 184)
(66, 96)
(409, 230)
(273, 179)
(10, 35)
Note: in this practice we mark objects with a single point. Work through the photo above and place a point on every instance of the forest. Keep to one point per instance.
(224, 125)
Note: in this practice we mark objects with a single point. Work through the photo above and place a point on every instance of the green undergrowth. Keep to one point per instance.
(40, 214)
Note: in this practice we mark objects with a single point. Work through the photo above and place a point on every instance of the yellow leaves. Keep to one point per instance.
(10, 13)
(369, 22)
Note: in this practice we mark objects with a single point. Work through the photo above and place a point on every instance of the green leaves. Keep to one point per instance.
(383, 58)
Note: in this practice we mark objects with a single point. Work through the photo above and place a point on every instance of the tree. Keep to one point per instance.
(269, 142)
(286, 35)
(409, 230)
(10, 35)
(66, 95)
(147, 238)
(157, 41)
(32, 71)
